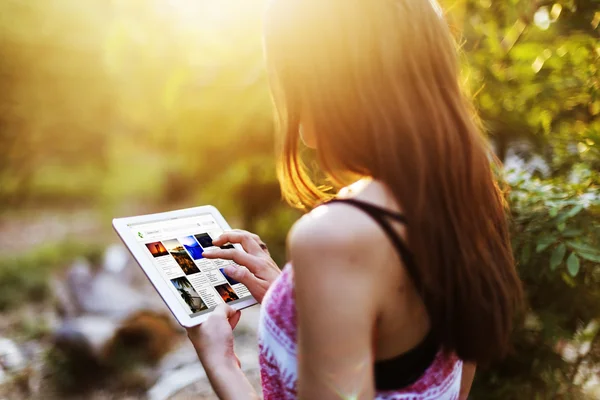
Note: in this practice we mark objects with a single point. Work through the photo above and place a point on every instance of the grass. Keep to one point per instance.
(24, 278)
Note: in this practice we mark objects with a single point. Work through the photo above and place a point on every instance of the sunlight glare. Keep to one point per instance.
(537, 64)
(596, 20)
(485, 3)
(555, 12)
(542, 18)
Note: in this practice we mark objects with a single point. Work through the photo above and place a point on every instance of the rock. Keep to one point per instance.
(135, 379)
(106, 294)
(85, 336)
(126, 353)
(74, 361)
(116, 291)
(11, 357)
(143, 338)
(118, 333)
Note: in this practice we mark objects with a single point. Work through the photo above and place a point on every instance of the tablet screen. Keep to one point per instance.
(175, 247)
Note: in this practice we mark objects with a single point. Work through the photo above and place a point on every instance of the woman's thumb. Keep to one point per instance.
(238, 273)
(247, 278)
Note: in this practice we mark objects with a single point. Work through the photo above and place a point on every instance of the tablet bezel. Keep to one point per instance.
(162, 286)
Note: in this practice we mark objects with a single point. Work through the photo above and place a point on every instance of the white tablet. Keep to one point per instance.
(169, 246)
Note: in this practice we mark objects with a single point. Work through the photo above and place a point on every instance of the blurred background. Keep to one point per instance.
(120, 107)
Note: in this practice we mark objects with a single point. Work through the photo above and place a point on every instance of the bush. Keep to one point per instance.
(556, 242)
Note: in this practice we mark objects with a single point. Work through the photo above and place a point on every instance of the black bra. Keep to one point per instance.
(406, 368)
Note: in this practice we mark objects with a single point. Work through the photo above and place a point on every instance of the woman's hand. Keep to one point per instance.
(256, 269)
(213, 341)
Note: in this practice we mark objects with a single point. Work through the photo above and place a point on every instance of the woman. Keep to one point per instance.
(402, 283)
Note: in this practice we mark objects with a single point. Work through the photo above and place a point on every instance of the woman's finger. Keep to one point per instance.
(254, 264)
(242, 275)
(235, 255)
(221, 240)
(229, 313)
(256, 238)
(252, 235)
(233, 321)
(244, 238)
(256, 286)
(225, 311)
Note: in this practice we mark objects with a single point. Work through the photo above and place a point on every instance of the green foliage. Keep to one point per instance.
(534, 79)
(34, 328)
(26, 277)
(556, 242)
(559, 219)
(123, 110)
(534, 69)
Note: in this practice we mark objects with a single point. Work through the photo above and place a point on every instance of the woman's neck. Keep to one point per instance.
(373, 191)
(355, 188)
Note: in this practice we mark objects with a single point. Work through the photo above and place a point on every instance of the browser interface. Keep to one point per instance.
(175, 247)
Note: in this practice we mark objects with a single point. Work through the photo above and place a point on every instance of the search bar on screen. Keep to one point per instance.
(181, 227)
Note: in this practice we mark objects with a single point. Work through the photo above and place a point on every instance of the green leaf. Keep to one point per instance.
(544, 242)
(589, 256)
(582, 247)
(563, 216)
(574, 211)
(561, 226)
(571, 232)
(557, 256)
(573, 264)
(553, 212)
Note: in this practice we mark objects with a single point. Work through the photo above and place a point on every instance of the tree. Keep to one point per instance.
(534, 67)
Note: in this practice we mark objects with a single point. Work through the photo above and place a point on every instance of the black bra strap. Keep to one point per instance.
(379, 215)
(407, 368)
(371, 208)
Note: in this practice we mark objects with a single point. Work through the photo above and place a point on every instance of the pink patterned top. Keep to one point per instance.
(278, 357)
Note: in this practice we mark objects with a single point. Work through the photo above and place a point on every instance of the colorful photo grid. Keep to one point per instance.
(181, 256)
(189, 295)
(186, 251)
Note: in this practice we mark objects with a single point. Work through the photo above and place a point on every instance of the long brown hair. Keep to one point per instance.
(378, 81)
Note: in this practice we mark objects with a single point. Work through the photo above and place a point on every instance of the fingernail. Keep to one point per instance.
(230, 269)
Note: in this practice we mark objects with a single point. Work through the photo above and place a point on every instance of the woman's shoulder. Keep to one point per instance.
(340, 224)
(338, 236)
(331, 227)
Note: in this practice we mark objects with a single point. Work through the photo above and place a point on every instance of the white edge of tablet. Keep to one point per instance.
(168, 294)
